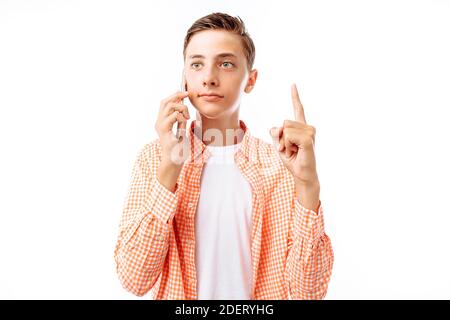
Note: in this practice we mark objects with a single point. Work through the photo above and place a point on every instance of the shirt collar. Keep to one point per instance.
(199, 153)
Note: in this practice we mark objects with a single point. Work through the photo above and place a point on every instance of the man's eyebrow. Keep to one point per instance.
(220, 55)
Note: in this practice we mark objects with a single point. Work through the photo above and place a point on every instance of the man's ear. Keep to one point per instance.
(251, 80)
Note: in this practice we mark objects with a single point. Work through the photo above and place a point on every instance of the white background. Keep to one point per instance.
(80, 86)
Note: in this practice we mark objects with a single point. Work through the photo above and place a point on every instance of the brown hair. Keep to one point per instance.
(223, 21)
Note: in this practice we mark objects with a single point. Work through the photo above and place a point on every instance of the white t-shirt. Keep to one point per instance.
(223, 229)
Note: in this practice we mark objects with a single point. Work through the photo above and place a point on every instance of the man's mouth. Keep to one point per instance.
(210, 96)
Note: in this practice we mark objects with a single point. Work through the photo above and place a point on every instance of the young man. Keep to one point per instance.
(218, 213)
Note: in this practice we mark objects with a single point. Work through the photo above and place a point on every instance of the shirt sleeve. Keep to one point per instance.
(310, 255)
(144, 228)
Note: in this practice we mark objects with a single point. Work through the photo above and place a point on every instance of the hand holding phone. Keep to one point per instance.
(172, 110)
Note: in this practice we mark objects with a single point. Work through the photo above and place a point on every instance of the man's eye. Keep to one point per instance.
(194, 64)
(230, 64)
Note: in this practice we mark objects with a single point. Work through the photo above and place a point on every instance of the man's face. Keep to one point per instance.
(208, 70)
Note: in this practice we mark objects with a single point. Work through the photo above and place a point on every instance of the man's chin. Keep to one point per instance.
(209, 113)
(210, 116)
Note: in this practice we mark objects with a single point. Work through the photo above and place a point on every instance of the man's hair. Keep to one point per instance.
(223, 21)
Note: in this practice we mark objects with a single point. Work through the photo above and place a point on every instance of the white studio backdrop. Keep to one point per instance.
(80, 86)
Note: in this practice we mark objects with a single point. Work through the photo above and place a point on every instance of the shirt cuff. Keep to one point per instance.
(308, 224)
(161, 202)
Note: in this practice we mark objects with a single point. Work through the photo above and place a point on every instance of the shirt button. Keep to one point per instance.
(160, 237)
(190, 204)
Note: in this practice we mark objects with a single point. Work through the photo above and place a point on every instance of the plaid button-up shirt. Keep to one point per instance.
(292, 257)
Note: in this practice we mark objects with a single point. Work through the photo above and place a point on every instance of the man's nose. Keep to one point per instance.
(210, 78)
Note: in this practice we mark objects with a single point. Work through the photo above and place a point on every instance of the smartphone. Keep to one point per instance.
(183, 89)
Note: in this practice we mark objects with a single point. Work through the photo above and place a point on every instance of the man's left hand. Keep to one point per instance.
(295, 144)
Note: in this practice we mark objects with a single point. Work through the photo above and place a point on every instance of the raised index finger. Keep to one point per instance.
(298, 107)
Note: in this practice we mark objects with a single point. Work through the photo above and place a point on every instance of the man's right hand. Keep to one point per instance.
(174, 151)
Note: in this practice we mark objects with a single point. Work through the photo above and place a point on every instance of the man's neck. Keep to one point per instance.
(220, 132)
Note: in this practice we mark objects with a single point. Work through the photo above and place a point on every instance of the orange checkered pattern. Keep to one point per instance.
(292, 257)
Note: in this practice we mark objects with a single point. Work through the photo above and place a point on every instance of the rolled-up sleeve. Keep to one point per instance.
(144, 228)
(310, 257)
